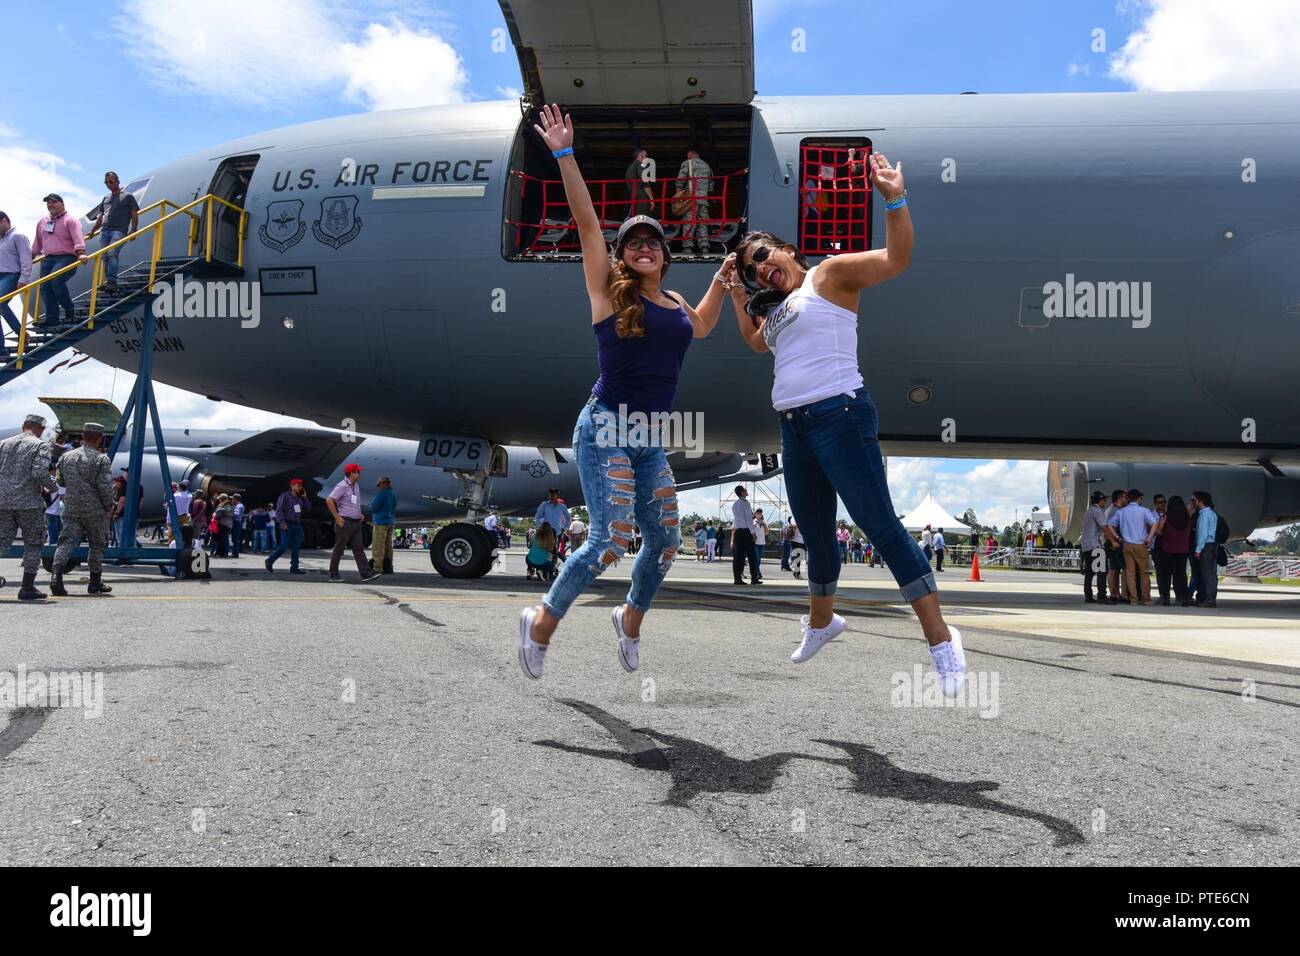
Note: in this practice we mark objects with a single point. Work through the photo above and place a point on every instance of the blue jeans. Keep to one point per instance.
(831, 447)
(56, 293)
(785, 554)
(236, 538)
(630, 486)
(260, 545)
(9, 282)
(107, 238)
(54, 524)
(758, 557)
(290, 541)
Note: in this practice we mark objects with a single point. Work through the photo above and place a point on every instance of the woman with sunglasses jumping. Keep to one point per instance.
(807, 317)
(642, 333)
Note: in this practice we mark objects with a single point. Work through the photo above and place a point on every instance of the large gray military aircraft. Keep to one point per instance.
(1105, 276)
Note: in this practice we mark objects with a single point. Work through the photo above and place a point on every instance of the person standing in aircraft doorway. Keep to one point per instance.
(808, 318)
(642, 334)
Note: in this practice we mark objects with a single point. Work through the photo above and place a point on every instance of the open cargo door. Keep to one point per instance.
(648, 53)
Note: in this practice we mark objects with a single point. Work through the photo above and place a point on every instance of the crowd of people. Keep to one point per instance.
(1122, 540)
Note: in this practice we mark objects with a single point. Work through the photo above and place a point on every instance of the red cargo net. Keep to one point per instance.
(834, 192)
(714, 216)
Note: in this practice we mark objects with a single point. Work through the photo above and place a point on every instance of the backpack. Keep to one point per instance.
(1222, 531)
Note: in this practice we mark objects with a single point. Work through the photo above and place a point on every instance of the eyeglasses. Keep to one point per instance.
(759, 255)
(653, 243)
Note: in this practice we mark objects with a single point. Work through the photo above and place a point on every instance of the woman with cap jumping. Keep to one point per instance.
(642, 333)
(807, 316)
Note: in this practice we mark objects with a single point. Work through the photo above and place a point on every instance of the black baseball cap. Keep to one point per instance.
(53, 197)
(635, 221)
(1097, 496)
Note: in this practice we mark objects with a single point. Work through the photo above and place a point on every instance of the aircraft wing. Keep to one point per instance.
(321, 450)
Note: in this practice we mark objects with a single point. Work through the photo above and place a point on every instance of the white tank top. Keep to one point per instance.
(815, 344)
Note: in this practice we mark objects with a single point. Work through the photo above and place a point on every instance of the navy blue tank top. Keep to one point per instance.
(642, 372)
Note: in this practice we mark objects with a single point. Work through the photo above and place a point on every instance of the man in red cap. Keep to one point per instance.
(289, 508)
(344, 504)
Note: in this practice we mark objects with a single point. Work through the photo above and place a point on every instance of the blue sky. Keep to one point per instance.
(145, 81)
(936, 47)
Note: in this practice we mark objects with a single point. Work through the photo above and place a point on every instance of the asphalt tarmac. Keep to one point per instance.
(284, 720)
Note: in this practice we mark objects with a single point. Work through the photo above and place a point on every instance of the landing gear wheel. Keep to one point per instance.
(3, 582)
(461, 550)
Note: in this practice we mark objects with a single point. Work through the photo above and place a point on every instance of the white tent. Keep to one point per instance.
(930, 512)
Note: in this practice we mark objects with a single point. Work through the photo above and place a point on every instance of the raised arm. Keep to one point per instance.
(751, 330)
(849, 273)
(556, 131)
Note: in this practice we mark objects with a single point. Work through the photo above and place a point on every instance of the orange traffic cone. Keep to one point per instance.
(975, 567)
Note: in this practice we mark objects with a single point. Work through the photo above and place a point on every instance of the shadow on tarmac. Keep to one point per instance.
(695, 768)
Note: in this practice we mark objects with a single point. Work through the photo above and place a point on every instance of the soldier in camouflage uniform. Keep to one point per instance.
(24, 474)
(87, 476)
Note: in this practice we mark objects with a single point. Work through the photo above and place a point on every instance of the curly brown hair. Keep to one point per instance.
(625, 294)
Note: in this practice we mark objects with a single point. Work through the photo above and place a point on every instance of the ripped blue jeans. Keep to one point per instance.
(623, 488)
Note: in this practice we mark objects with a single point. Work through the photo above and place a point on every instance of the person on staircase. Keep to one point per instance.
(60, 240)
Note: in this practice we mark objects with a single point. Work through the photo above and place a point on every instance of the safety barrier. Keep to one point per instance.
(1264, 566)
(834, 193)
(555, 233)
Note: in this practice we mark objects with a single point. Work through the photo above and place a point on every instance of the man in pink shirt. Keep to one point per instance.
(59, 239)
(344, 504)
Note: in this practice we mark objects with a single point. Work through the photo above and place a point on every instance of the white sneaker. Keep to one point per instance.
(629, 648)
(532, 656)
(815, 638)
(950, 663)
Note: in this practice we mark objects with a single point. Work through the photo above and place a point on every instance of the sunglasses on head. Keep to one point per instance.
(653, 243)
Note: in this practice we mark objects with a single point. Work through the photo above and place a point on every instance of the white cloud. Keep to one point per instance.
(509, 92)
(93, 379)
(272, 55)
(395, 67)
(995, 489)
(1207, 45)
(29, 173)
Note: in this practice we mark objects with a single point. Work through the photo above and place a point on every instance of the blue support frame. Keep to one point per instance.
(141, 411)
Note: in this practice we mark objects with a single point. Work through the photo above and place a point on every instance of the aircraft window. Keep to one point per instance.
(834, 197)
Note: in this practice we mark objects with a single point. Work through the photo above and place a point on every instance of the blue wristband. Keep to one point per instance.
(567, 151)
(896, 205)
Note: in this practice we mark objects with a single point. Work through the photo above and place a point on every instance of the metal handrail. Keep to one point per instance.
(31, 306)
